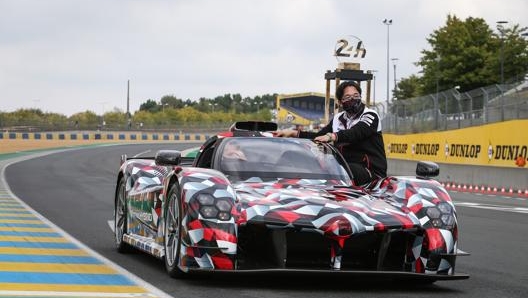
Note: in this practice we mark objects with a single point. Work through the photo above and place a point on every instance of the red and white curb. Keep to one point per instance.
(486, 189)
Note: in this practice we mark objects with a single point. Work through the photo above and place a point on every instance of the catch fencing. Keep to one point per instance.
(451, 109)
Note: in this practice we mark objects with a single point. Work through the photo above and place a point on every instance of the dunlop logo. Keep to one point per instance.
(509, 152)
(426, 149)
(465, 150)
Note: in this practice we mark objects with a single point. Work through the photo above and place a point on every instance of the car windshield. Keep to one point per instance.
(241, 158)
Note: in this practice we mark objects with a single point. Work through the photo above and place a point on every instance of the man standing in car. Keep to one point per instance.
(356, 132)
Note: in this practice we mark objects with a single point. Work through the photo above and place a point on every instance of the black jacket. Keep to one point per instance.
(359, 139)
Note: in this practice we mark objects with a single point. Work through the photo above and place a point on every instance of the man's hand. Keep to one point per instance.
(327, 138)
(235, 155)
(287, 133)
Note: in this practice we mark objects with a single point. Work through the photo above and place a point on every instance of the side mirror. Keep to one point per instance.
(427, 169)
(168, 158)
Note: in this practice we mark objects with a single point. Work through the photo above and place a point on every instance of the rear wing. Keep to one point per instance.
(254, 126)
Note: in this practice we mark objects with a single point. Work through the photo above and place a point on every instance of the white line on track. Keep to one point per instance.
(141, 153)
(493, 207)
(111, 223)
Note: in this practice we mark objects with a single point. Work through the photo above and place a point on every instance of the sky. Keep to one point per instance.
(71, 56)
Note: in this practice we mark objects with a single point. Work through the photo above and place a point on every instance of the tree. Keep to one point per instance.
(467, 54)
(115, 119)
(85, 120)
(462, 54)
(143, 119)
(408, 87)
(189, 115)
(172, 102)
(150, 106)
(515, 52)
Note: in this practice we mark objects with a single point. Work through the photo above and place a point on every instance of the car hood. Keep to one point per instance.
(329, 209)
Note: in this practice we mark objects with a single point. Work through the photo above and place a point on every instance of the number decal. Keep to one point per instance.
(341, 45)
(361, 50)
(350, 47)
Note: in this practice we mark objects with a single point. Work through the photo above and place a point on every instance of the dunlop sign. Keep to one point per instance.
(486, 145)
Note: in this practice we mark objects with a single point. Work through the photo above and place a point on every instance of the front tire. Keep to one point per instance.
(172, 233)
(120, 217)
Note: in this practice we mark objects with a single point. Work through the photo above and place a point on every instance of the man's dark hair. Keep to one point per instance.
(341, 88)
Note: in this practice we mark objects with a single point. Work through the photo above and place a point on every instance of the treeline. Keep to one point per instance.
(469, 54)
(167, 113)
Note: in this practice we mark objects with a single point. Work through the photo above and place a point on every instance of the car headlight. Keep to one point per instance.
(433, 212)
(445, 207)
(205, 199)
(208, 211)
(211, 207)
(224, 207)
(441, 216)
(448, 220)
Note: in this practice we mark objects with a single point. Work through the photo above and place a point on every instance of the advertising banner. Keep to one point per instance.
(503, 144)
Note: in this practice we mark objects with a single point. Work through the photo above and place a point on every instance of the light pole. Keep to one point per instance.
(500, 27)
(395, 86)
(388, 23)
(437, 74)
(258, 106)
(374, 89)
(103, 122)
(525, 34)
(435, 98)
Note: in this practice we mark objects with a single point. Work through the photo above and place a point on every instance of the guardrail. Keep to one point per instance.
(107, 136)
(451, 109)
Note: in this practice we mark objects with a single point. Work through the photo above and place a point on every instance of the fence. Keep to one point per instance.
(177, 127)
(451, 109)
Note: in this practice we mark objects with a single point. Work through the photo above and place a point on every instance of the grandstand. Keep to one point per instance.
(306, 109)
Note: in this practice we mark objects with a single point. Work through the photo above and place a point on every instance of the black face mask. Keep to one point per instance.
(353, 106)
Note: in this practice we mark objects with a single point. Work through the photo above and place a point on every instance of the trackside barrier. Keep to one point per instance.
(481, 156)
(105, 136)
(486, 189)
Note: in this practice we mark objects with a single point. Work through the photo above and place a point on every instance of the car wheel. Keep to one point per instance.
(120, 217)
(172, 233)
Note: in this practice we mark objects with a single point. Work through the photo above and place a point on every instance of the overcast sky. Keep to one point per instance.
(69, 56)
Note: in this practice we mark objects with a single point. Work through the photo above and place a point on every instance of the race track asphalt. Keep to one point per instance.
(74, 189)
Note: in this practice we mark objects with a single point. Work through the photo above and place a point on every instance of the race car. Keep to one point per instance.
(251, 202)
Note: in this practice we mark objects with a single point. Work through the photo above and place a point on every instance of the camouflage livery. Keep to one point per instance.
(206, 218)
